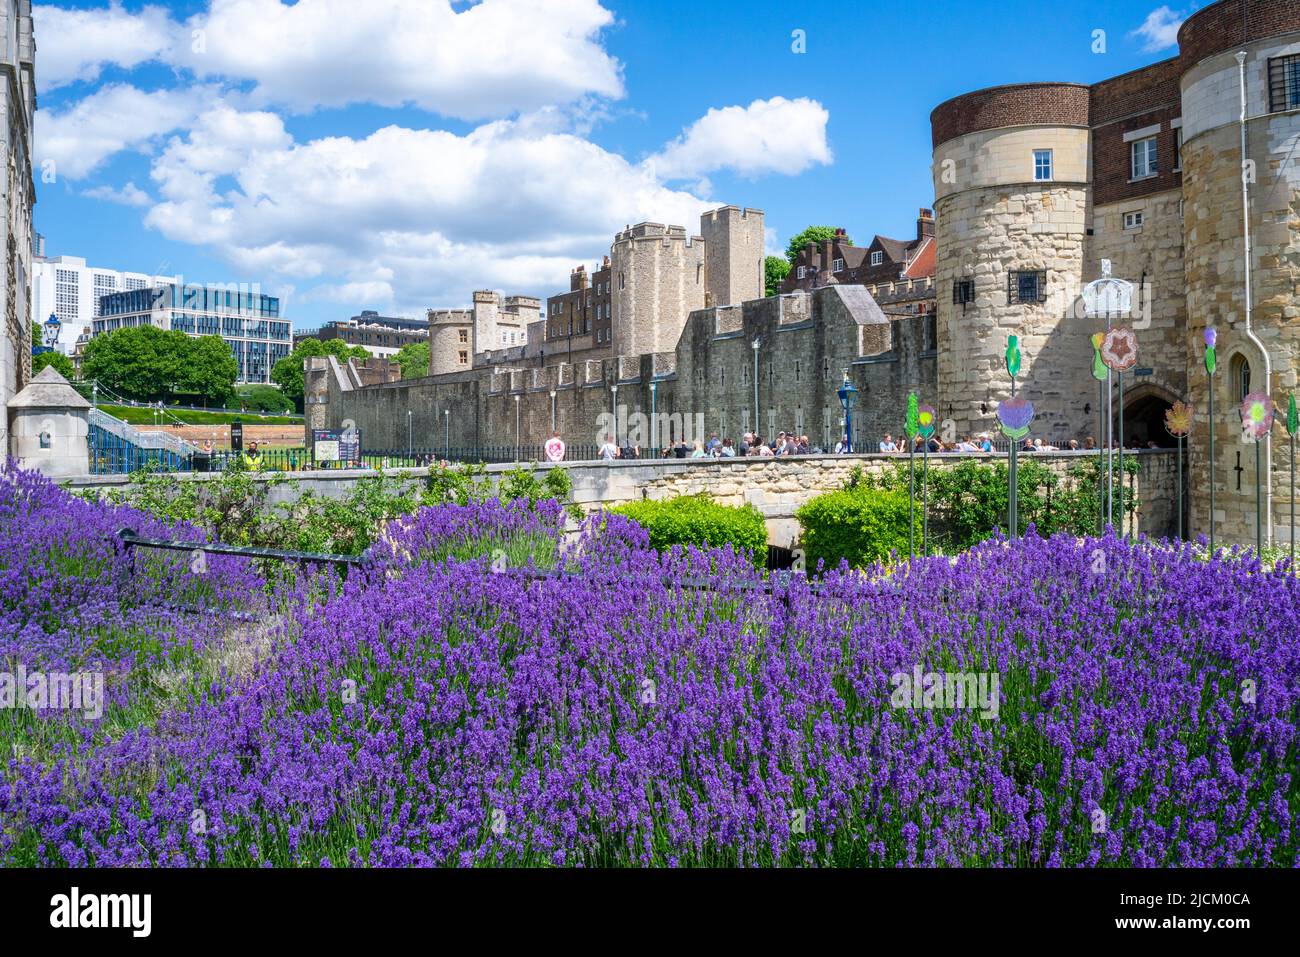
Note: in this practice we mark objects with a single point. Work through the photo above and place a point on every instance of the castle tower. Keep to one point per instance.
(487, 311)
(658, 277)
(733, 253)
(1012, 195)
(451, 340)
(1215, 246)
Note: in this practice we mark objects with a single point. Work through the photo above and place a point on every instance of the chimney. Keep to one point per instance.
(925, 224)
(578, 279)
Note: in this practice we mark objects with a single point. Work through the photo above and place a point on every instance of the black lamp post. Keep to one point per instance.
(49, 335)
(848, 398)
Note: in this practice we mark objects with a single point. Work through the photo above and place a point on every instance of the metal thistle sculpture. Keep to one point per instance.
(926, 419)
(1211, 363)
(1119, 352)
(912, 428)
(1256, 424)
(1178, 422)
(1292, 426)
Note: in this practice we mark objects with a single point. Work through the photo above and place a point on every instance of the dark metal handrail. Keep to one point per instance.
(131, 540)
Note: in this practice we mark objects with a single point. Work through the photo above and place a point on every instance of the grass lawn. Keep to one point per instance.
(142, 415)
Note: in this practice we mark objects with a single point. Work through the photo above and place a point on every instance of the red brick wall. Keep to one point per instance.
(1130, 102)
(1057, 104)
(1230, 23)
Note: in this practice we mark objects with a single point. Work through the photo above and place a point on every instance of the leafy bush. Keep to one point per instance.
(698, 520)
(968, 500)
(860, 524)
(260, 398)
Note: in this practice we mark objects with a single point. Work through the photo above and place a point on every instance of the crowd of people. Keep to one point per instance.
(788, 443)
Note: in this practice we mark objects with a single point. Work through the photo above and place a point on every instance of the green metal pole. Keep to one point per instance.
(1101, 456)
(1210, 463)
(1013, 520)
(925, 499)
(1293, 504)
(1259, 500)
(911, 497)
(1180, 488)
(1121, 456)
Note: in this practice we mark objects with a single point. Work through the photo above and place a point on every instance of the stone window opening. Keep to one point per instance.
(1284, 83)
(1042, 166)
(826, 369)
(1145, 158)
(963, 292)
(1240, 378)
(1026, 286)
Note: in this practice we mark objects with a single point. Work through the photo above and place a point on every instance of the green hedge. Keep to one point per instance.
(698, 520)
(860, 524)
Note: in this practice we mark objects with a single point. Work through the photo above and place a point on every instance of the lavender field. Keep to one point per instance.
(1135, 704)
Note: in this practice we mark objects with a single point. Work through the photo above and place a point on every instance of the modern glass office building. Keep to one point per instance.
(249, 321)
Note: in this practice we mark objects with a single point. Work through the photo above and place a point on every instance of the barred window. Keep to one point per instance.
(1284, 83)
(963, 291)
(1027, 286)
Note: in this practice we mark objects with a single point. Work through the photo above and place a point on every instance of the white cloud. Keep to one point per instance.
(1159, 31)
(113, 118)
(128, 195)
(768, 136)
(77, 44)
(417, 217)
(488, 60)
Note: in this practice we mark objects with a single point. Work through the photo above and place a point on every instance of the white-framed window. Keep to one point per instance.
(1144, 155)
(803, 271)
(1134, 219)
(838, 265)
(1042, 165)
(877, 257)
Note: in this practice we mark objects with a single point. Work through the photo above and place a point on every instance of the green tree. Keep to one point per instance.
(287, 373)
(775, 269)
(209, 371)
(141, 362)
(62, 364)
(414, 360)
(813, 234)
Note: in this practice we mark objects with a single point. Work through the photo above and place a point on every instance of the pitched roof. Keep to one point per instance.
(923, 260)
(48, 390)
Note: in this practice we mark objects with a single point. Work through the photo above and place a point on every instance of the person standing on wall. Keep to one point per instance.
(555, 448)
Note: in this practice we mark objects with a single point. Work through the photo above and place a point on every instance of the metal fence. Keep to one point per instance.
(486, 455)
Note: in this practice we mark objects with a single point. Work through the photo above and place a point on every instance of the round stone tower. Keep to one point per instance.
(1012, 195)
(1267, 32)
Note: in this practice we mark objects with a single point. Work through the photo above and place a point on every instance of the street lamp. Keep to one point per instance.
(848, 398)
(613, 405)
(756, 343)
(654, 419)
(49, 334)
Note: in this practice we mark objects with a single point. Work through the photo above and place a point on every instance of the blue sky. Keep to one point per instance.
(397, 154)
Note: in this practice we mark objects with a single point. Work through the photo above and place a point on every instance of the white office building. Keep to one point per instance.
(66, 287)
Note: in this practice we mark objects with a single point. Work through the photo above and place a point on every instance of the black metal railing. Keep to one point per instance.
(130, 540)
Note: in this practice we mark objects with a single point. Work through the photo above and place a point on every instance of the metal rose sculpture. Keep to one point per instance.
(1256, 416)
(1015, 415)
(925, 420)
(1119, 349)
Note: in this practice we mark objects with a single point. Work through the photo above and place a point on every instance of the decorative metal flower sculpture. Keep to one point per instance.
(1099, 370)
(1256, 416)
(926, 419)
(913, 417)
(1015, 415)
(1119, 349)
(1013, 356)
(1211, 356)
(1178, 419)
